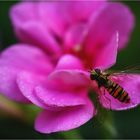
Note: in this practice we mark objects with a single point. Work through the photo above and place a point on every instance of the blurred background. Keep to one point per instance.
(17, 120)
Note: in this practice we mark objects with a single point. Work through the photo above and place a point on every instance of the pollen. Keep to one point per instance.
(77, 48)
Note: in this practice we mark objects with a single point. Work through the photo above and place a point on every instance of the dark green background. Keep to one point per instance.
(125, 123)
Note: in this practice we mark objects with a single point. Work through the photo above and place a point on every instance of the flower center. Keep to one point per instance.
(80, 52)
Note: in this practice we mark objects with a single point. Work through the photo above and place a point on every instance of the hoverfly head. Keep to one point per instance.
(94, 74)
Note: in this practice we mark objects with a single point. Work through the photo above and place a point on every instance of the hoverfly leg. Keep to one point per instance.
(104, 94)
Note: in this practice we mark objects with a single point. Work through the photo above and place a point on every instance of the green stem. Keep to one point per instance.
(10, 109)
(73, 134)
(109, 129)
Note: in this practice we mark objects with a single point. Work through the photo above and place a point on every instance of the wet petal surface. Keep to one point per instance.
(66, 119)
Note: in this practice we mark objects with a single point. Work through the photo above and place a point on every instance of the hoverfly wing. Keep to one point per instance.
(126, 71)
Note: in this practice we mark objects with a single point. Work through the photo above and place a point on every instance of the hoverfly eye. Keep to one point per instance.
(93, 77)
(98, 71)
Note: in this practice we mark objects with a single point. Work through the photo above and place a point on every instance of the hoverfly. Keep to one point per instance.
(114, 89)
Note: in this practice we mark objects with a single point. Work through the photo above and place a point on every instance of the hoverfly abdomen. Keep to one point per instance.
(118, 92)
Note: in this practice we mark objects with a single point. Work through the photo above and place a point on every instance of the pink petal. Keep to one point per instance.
(35, 33)
(70, 79)
(131, 84)
(61, 15)
(69, 62)
(108, 22)
(8, 86)
(30, 29)
(24, 12)
(69, 118)
(60, 98)
(36, 89)
(18, 58)
(107, 56)
(26, 83)
(26, 57)
(69, 73)
(75, 36)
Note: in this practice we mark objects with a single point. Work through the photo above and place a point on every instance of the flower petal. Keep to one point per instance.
(8, 86)
(69, 118)
(75, 36)
(26, 57)
(27, 82)
(70, 79)
(69, 62)
(35, 33)
(37, 90)
(16, 59)
(131, 84)
(69, 73)
(61, 15)
(107, 56)
(108, 22)
(23, 12)
(30, 29)
(60, 98)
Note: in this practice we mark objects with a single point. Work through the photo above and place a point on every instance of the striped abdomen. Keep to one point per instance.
(118, 92)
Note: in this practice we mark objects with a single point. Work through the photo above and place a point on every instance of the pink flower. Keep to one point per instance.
(63, 40)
